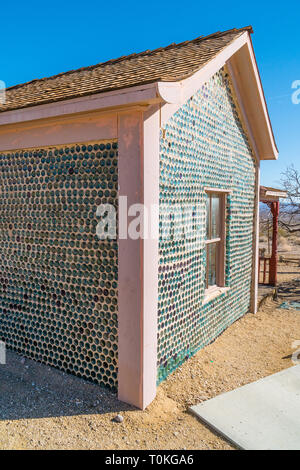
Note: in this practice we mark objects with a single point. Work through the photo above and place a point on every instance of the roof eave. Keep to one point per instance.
(244, 71)
(124, 98)
(240, 61)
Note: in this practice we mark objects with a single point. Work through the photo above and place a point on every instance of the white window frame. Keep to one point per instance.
(219, 287)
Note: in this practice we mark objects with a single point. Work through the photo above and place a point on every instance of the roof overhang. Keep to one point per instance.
(242, 67)
(271, 194)
(142, 95)
(240, 61)
(244, 71)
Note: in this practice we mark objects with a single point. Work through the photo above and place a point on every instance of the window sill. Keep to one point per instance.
(214, 292)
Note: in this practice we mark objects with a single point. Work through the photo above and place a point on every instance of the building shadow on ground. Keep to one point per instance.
(31, 390)
(290, 291)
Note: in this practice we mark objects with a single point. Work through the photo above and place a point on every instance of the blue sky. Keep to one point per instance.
(59, 36)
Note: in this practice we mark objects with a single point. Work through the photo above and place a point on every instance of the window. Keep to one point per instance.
(215, 239)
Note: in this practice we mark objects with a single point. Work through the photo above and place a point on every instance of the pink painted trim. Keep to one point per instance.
(57, 132)
(255, 270)
(243, 111)
(100, 101)
(138, 138)
(261, 94)
(130, 259)
(150, 254)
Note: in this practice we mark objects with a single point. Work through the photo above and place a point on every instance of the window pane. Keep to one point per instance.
(211, 264)
(215, 216)
(207, 216)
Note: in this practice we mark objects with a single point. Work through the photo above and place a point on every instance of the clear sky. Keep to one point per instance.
(41, 39)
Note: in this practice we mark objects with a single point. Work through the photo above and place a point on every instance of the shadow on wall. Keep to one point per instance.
(29, 389)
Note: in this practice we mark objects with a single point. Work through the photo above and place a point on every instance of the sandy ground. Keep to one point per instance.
(43, 408)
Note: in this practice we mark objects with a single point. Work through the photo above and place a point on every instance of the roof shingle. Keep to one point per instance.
(172, 63)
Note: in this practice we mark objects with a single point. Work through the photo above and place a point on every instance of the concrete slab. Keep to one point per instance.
(263, 415)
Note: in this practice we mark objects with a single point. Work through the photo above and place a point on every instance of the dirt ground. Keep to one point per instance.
(43, 408)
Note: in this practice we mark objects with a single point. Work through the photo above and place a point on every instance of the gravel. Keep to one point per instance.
(44, 408)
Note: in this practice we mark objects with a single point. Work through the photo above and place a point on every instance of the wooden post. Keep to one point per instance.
(273, 260)
(265, 270)
(268, 236)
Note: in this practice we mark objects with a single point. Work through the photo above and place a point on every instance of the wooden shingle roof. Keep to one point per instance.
(172, 63)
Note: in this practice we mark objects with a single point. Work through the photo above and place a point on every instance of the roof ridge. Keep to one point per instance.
(134, 55)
